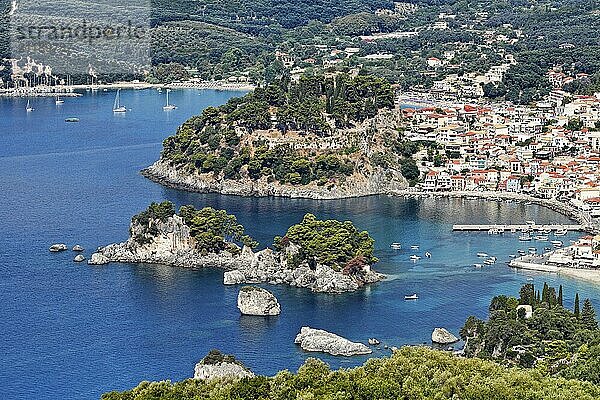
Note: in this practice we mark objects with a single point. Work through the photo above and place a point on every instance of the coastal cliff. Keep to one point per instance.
(195, 239)
(320, 138)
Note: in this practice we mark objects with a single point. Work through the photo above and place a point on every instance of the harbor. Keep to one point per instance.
(518, 228)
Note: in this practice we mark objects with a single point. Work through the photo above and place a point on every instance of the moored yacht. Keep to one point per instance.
(413, 296)
(396, 246)
(117, 107)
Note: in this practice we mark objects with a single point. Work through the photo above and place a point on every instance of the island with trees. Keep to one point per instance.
(324, 256)
(319, 137)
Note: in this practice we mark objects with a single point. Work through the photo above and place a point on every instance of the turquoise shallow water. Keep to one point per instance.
(74, 331)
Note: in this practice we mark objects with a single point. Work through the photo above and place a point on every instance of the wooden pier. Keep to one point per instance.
(519, 228)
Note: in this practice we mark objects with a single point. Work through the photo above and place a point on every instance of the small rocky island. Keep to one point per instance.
(322, 138)
(253, 300)
(324, 256)
(326, 342)
(218, 365)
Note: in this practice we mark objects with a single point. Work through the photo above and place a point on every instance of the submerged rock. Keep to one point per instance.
(442, 336)
(77, 248)
(79, 258)
(319, 340)
(55, 248)
(257, 301)
(218, 365)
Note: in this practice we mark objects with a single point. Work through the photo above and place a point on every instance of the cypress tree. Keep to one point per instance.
(588, 315)
(560, 295)
(576, 309)
(537, 298)
(545, 293)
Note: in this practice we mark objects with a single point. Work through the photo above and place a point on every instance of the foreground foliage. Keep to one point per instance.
(554, 340)
(411, 373)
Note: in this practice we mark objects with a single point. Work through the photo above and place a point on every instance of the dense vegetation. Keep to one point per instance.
(554, 340)
(334, 243)
(411, 373)
(217, 140)
(213, 230)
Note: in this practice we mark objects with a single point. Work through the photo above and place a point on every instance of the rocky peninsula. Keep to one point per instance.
(195, 239)
(291, 141)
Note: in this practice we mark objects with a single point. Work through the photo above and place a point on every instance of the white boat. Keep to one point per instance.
(415, 257)
(117, 107)
(411, 297)
(532, 250)
(561, 232)
(541, 238)
(169, 107)
(373, 342)
(530, 222)
(521, 252)
(512, 255)
(478, 265)
(529, 278)
(396, 246)
(414, 247)
(524, 238)
(428, 254)
(59, 101)
(557, 243)
(29, 108)
(482, 255)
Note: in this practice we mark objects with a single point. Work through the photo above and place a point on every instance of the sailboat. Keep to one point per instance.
(59, 101)
(117, 107)
(29, 108)
(169, 107)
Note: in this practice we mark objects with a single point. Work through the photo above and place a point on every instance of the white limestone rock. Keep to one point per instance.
(217, 365)
(55, 248)
(79, 258)
(319, 340)
(234, 277)
(77, 248)
(98, 259)
(257, 301)
(442, 336)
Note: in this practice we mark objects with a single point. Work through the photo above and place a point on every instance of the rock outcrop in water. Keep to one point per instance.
(217, 365)
(442, 336)
(319, 340)
(257, 301)
(55, 248)
(172, 243)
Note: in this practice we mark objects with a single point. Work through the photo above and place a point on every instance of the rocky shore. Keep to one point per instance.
(173, 245)
(218, 366)
(380, 181)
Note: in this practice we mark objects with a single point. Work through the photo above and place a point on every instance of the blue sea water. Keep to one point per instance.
(73, 331)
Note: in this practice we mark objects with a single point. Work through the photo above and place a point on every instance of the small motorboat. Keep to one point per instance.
(414, 257)
(524, 238)
(530, 279)
(374, 342)
(512, 255)
(489, 261)
(71, 119)
(530, 222)
(532, 250)
(478, 265)
(411, 297)
(396, 246)
(541, 238)
(482, 255)
(561, 232)
(414, 247)
(557, 243)
(428, 254)
(521, 252)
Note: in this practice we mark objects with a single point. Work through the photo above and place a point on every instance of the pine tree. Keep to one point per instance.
(588, 315)
(545, 293)
(576, 309)
(560, 295)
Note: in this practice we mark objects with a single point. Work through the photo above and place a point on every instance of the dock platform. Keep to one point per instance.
(519, 227)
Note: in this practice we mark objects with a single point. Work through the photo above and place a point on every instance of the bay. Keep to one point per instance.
(74, 331)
